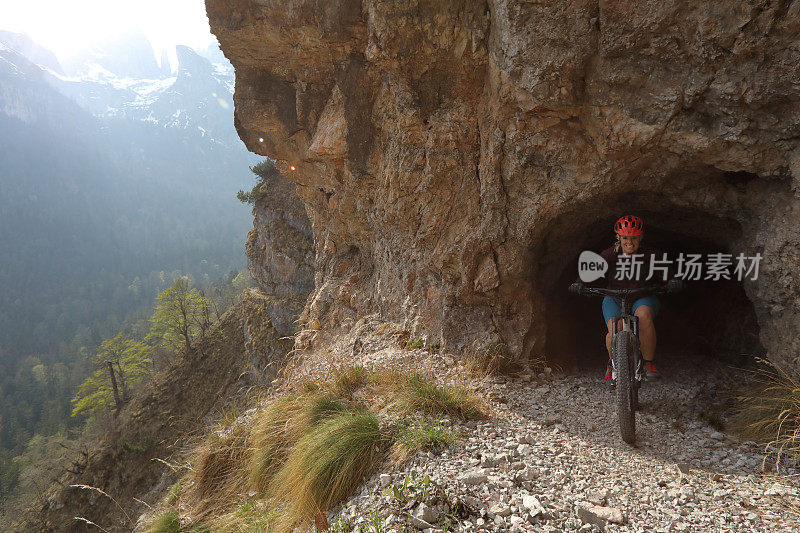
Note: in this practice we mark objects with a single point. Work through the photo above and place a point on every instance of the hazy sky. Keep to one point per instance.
(65, 26)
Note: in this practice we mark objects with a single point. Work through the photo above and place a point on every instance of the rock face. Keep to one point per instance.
(280, 252)
(455, 157)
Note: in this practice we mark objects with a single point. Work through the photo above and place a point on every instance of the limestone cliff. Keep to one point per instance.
(280, 253)
(455, 157)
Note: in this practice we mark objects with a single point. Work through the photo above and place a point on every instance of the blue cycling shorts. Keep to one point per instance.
(613, 307)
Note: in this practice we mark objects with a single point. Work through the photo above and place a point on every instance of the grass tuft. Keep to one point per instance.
(320, 407)
(249, 517)
(308, 450)
(275, 431)
(343, 525)
(422, 433)
(169, 522)
(220, 466)
(419, 393)
(385, 379)
(489, 361)
(309, 386)
(348, 380)
(279, 428)
(328, 463)
(174, 492)
(771, 412)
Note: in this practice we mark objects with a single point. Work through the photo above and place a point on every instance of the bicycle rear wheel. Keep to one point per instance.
(622, 346)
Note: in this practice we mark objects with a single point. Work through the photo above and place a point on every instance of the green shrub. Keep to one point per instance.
(413, 488)
(174, 492)
(128, 447)
(265, 169)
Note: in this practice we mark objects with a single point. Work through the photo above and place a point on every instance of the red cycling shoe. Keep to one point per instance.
(611, 375)
(651, 373)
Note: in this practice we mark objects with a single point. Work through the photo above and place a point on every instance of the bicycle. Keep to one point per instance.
(626, 356)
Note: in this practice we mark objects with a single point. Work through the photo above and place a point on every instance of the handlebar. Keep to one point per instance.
(672, 285)
(615, 293)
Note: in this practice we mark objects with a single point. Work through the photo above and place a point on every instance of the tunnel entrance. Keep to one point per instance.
(714, 319)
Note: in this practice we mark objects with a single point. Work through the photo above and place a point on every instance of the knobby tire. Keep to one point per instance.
(638, 357)
(622, 352)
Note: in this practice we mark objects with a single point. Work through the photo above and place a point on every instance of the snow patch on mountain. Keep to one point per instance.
(12, 67)
(197, 98)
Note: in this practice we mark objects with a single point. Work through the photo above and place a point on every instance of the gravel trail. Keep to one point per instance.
(552, 460)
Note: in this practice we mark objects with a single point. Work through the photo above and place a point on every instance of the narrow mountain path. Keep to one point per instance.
(552, 460)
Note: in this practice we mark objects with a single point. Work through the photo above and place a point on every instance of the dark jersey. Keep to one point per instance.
(644, 258)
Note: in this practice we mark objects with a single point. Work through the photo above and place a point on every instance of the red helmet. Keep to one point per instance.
(629, 225)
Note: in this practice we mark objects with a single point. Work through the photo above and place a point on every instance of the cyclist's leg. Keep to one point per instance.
(646, 309)
(611, 308)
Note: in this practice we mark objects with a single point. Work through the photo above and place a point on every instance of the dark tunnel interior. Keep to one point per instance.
(713, 319)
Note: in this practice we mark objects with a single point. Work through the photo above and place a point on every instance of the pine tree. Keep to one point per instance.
(264, 171)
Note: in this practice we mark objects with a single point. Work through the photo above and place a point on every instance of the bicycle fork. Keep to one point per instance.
(631, 323)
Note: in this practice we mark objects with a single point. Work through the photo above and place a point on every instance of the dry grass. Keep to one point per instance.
(328, 463)
(249, 517)
(282, 424)
(274, 432)
(307, 450)
(348, 379)
(489, 361)
(100, 491)
(219, 469)
(771, 413)
(397, 393)
(418, 392)
(230, 465)
(308, 385)
(385, 378)
(494, 360)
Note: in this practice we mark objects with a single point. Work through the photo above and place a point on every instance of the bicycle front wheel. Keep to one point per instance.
(622, 347)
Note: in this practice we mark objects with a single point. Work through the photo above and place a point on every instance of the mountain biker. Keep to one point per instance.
(629, 231)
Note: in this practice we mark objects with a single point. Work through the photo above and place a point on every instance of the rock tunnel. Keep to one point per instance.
(454, 160)
(711, 318)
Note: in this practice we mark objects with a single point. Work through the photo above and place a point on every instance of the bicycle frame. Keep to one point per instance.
(630, 322)
(626, 353)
